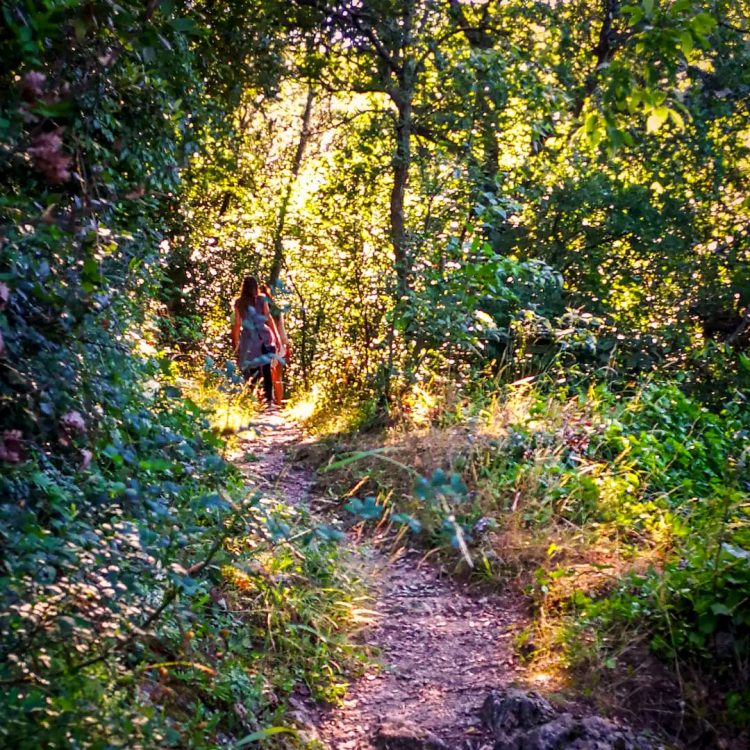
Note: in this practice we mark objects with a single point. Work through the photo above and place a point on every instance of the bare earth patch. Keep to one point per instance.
(441, 649)
(438, 646)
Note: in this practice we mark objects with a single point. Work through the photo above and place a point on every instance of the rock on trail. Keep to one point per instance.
(523, 720)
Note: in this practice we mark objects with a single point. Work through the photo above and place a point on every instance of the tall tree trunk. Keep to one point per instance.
(490, 147)
(481, 40)
(278, 235)
(401, 164)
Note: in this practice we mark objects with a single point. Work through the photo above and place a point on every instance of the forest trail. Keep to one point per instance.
(440, 647)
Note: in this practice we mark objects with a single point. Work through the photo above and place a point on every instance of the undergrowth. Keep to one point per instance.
(151, 597)
(620, 508)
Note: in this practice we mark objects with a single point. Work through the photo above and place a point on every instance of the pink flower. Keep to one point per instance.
(73, 421)
(11, 447)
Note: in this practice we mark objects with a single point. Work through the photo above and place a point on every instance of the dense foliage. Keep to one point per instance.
(123, 532)
(449, 198)
(605, 140)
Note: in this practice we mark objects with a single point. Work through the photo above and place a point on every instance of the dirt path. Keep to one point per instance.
(442, 647)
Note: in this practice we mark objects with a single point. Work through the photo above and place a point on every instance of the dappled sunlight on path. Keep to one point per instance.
(441, 650)
(262, 454)
(439, 647)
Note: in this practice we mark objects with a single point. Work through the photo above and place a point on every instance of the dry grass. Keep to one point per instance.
(230, 408)
(509, 453)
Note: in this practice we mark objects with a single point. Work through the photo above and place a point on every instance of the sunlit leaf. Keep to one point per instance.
(686, 42)
(263, 734)
(657, 118)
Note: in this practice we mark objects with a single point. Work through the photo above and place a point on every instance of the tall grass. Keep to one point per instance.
(621, 509)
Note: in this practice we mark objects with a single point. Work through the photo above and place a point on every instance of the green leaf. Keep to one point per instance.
(185, 25)
(80, 27)
(357, 456)
(736, 552)
(113, 455)
(702, 23)
(686, 42)
(657, 118)
(720, 609)
(354, 506)
(406, 520)
(677, 119)
(90, 269)
(457, 485)
(264, 734)
(634, 11)
(438, 478)
(592, 123)
(422, 489)
(210, 502)
(278, 529)
(53, 109)
(329, 534)
(367, 509)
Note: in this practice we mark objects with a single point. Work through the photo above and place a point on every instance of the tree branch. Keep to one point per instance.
(731, 27)
(380, 49)
(603, 52)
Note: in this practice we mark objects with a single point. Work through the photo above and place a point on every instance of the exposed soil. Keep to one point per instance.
(442, 649)
(442, 646)
(263, 455)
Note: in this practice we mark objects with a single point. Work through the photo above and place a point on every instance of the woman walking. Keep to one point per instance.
(254, 336)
